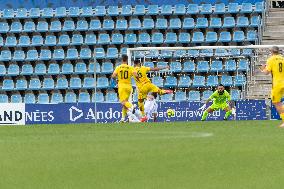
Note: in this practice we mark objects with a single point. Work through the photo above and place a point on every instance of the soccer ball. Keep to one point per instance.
(170, 112)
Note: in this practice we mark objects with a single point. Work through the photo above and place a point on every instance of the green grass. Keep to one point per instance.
(197, 155)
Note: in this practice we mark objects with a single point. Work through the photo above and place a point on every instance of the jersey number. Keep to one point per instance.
(124, 74)
(280, 67)
(139, 74)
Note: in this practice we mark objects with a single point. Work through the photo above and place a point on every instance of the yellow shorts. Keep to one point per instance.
(124, 92)
(146, 88)
(277, 93)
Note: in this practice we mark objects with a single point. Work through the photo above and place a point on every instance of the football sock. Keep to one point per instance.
(128, 105)
(204, 115)
(282, 116)
(161, 92)
(124, 112)
(228, 113)
(141, 108)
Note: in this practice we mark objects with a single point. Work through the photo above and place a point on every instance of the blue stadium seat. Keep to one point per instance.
(234, 52)
(68, 25)
(32, 55)
(8, 13)
(143, 38)
(53, 69)
(226, 80)
(98, 97)
(230, 65)
(184, 82)
(34, 13)
(21, 84)
(100, 11)
(255, 21)
(55, 26)
(75, 83)
(171, 37)
(116, 38)
(175, 23)
(225, 37)
(149, 64)
(161, 23)
(91, 68)
(60, 12)
(102, 82)
(108, 24)
(216, 66)
(139, 10)
(27, 69)
(84, 97)
(179, 53)
(170, 81)
(157, 38)
(70, 97)
(24, 41)
(112, 53)
(95, 25)
(111, 97)
(212, 81)
(167, 97)
(47, 13)
(130, 38)
(42, 26)
(2, 69)
(220, 8)
(16, 98)
(90, 39)
(229, 22)
(215, 22)
(40, 69)
(206, 94)
(67, 68)
(238, 36)
(87, 11)
(198, 81)
(240, 80)
(74, 12)
(192, 9)
(85, 53)
(58, 54)
(11, 41)
(211, 37)
(77, 39)
(221, 52)
(50, 40)
(148, 23)
(113, 11)
(121, 24)
(72, 54)
(134, 24)
(6, 55)
(48, 83)
(243, 65)
(197, 37)
(180, 96)
(99, 53)
(103, 39)
(82, 25)
(246, 8)
(16, 27)
(235, 95)
(259, 7)
(29, 26)
(126, 10)
(162, 64)
(4, 27)
(166, 53)
(166, 10)
(193, 96)
(175, 67)
(4, 98)
(107, 68)
(206, 9)
(45, 54)
(202, 66)
(152, 10)
(37, 40)
(179, 9)
(56, 97)
(43, 98)
(89, 82)
(158, 81)
(206, 52)
(189, 66)
(188, 23)
(242, 21)
(184, 37)
(13, 70)
(80, 68)
(251, 35)
(1, 41)
(233, 8)
(8, 84)
(29, 98)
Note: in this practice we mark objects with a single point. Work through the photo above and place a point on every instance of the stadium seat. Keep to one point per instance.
(8, 13)
(240, 80)
(42, 26)
(184, 82)
(102, 82)
(67, 68)
(158, 81)
(16, 98)
(53, 69)
(188, 23)
(1, 41)
(8, 84)
(87, 11)
(45, 54)
(4, 98)
(226, 80)
(112, 53)
(47, 13)
(161, 23)
(179, 53)
(82, 25)
(74, 12)
(11, 41)
(48, 83)
(100, 11)
(50, 40)
(2, 69)
(58, 54)
(153, 10)
(149, 64)
(184, 37)
(32, 55)
(197, 37)
(259, 7)
(95, 25)
(16, 27)
(201, 23)
(157, 38)
(180, 96)
(215, 22)
(216, 66)
(134, 24)
(242, 21)
(34, 13)
(225, 37)
(235, 95)
(111, 97)
(56, 97)
(206, 94)
(251, 35)
(194, 96)
(229, 22)
(148, 23)
(6, 55)
(89, 82)
(192, 9)
(90, 39)
(77, 39)
(72, 54)
(37, 40)
(98, 97)
(212, 81)
(21, 84)
(220, 8)
(238, 36)
(175, 23)
(13, 70)
(92, 68)
(206, 52)
(166, 53)
(179, 9)
(202, 66)
(243, 65)
(103, 39)
(170, 81)
(68, 25)
(40, 69)
(121, 24)
(84, 97)
(198, 81)
(108, 24)
(221, 52)
(27, 69)
(70, 97)
(99, 53)
(166, 10)
(206, 9)
(234, 52)
(247, 52)
(230, 65)
(211, 37)
(55, 26)
(75, 83)
(171, 38)
(80, 68)
(4, 27)
(29, 98)
(189, 66)
(126, 10)
(167, 97)
(116, 39)
(107, 68)
(175, 67)
(60, 12)
(85, 53)
(143, 38)
(139, 10)
(233, 8)
(246, 8)
(29, 26)
(130, 38)
(43, 98)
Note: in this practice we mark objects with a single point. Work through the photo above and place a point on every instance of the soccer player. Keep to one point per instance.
(145, 86)
(220, 98)
(124, 73)
(151, 107)
(275, 66)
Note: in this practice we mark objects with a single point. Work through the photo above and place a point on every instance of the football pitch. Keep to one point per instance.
(198, 155)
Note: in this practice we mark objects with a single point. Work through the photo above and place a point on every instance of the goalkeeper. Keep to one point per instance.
(220, 98)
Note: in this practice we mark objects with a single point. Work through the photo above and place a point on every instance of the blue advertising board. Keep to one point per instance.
(111, 112)
(274, 113)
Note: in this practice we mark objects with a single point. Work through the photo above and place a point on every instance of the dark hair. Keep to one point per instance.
(275, 49)
(124, 58)
(220, 85)
(136, 62)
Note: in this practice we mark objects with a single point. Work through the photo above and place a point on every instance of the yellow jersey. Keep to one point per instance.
(124, 74)
(275, 64)
(142, 75)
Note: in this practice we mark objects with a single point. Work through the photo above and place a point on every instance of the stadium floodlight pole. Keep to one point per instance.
(95, 77)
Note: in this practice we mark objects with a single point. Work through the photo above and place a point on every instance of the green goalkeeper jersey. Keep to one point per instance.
(220, 99)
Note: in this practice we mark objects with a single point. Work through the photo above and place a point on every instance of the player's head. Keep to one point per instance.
(137, 62)
(274, 50)
(152, 96)
(124, 59)
(220, 89)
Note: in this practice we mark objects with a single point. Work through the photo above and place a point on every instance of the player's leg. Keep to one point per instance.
(124, 92)
(142, 94)
(154, 89)
(276, 96)
(207, 111)
(228, 111)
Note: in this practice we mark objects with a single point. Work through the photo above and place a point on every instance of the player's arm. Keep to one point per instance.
(159, 68)
(207, 101)
(134, 73)
(114, 74)
(229, 99)
(266, 69)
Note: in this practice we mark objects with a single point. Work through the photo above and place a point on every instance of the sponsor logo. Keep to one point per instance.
(75, 113)
(12, 114)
